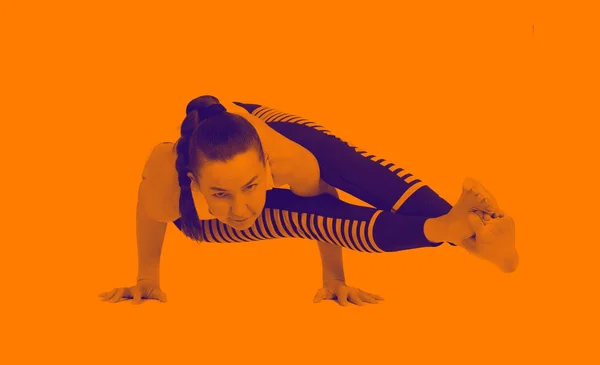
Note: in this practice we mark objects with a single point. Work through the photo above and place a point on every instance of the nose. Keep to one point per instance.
(239, 209)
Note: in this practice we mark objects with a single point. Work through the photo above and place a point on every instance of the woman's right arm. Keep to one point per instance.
(156, 206)
(150, 234)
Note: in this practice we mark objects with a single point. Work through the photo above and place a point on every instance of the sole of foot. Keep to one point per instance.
(494, 241)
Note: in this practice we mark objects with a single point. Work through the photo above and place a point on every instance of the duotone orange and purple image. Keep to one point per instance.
(298, 183)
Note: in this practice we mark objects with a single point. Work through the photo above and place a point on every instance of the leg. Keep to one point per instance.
(365, 176)
(327, 219)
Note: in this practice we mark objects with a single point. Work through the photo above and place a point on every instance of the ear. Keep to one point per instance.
(193, 182)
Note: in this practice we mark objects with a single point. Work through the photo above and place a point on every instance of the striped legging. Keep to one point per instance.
(402, 201)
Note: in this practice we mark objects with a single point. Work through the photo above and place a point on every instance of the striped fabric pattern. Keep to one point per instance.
(277, 223)
(270, 115)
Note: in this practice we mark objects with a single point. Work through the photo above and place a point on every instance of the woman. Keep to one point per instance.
(221, 182)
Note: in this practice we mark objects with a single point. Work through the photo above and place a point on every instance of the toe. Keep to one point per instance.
(468, 184)
(485, 200)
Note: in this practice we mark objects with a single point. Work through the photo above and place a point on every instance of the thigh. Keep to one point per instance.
(374, 180)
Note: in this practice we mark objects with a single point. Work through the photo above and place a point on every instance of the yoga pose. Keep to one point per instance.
(246, 172)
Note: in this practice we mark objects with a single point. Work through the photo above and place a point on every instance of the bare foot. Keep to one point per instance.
(474, 199)
(494, 241)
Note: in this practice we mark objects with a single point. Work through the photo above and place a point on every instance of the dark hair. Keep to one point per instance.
(208, 133)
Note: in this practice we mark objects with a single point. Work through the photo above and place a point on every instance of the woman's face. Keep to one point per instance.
(235, 190)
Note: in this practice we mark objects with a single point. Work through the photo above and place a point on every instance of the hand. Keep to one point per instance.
(144, 289)
(337, 289)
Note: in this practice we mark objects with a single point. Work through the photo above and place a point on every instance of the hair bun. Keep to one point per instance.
(209, 111)
(201, 103)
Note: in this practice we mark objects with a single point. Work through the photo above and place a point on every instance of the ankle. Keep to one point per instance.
(437, 229)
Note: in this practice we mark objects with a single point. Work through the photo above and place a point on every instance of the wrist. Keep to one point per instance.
(329, 279)
(151, 272)
(148, 278)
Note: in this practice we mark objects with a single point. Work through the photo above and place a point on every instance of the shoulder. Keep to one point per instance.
(161, 161)
(159, 188)
(266, 135)
(304, 177)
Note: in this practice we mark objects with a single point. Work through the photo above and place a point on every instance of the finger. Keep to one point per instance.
(323, 294)
(319, 296)
(475, 222)
(161, 296)
(137, 295)
(366, 297)
(118, 295)
(355, 298)
(108, 295)
(103, 294)
(342, 296)
(378, 297)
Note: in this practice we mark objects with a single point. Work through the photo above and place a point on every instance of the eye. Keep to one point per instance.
(220, 195)
(251, 187)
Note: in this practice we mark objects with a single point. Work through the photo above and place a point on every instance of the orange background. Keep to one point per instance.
(445, 89)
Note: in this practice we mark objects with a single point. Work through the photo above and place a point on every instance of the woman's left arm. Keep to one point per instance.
(331, 255)
(308, 183)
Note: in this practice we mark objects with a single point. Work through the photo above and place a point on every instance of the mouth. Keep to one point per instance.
(240, 220)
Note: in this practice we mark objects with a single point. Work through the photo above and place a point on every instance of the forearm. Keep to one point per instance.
(150, 235)
(331, 261)
(331, 255)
